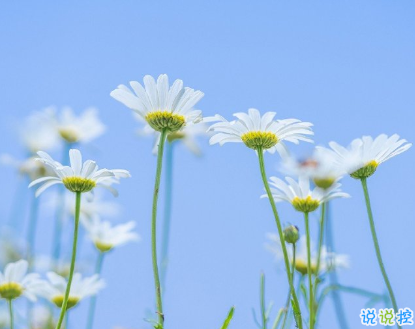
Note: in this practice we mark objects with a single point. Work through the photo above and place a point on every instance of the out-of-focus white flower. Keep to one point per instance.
(54, 289)
(4, 318)
(162, 107)
(105, 237)
(38, 133)
(260, 132)
(29, 167)
(362, 157)
(328, 260)
(91, 207)
(300, 195)
(15, 282)
(42, 318)
(79, 177)
(78, 129)
(321, 168)
(11, 247)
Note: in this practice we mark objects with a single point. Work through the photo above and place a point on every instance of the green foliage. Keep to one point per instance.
(228, 318)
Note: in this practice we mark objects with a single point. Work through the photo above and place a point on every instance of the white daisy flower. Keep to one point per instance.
(37, 133)
(29, 167)
(328, 260)
(79, 177)
(321, 168)
(300, 195)
(15, 282)
(362, 157)
(78, 129)
(260, 132)
(162, 107)
(105, 237)
(54, 289)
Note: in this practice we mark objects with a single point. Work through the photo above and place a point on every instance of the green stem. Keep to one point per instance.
(287, 304)
(297, 311)
(337, 301)
(31, 232)
(377, 247)
(263, 310)
(320, 241)
(309, 273)
(154, 230)
(11, 313)
(164, 256)
(278, 319)
(93, 302)
(72, 268)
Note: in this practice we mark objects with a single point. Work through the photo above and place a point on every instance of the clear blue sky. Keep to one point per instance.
(348, 67)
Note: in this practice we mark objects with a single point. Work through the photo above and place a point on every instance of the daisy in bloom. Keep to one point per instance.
(328, 260)
(187, 136)
(105, 237)
(29, 167)
(15, 282)
(37, 133)
(79, 177)
(300, 195)
(260, 132)
(320, 167)
(77, 129)
(54, 289)
(362, 157)
(163, 107)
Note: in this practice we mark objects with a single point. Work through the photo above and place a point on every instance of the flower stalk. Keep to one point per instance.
(309, 272)
(159, 302)
(297, 311)
(10, 302)
(93, 302)
(377, 247)
(72, 268)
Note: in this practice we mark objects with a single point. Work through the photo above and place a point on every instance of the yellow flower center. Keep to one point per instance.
(69, 134)
(366, 171)
(103, 247)
(324, 183)
(259, 139)
(165, 120)
(305, 205)
(175, 136)
(10, 290)
(58, 301)
(78, 184)
(301, 266)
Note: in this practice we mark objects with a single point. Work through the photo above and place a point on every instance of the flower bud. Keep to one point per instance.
(291, 234)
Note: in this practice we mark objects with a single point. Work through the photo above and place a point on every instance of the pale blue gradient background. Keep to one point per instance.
(347, 67)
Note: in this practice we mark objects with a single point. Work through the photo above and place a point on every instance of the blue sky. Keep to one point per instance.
(348, 67)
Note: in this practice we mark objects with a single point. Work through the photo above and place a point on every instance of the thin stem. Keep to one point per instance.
(309, 273)
(31, 231)
(320, 241)
(377, 247)
(287, 304)
(263, 310)
(60, 212)
(337, 301)
(297, 311)
(278, 319)
(154, 230)
(164, 257)
(72, 268)
(93, 302)
(11, 313)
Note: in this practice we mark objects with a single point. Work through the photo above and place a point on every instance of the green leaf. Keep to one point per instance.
(229, 318)
(296, 312)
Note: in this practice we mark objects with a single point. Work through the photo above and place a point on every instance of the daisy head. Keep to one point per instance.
(54, 289)
(78, 177)
(163, 107)
(105, 237)
(15, 282)
(363, 156)
(78, 129)
(320, 167)
(328, 260)
(300, 194)
(260, 132)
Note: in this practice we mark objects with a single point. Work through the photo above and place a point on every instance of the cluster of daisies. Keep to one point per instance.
(168, 114)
